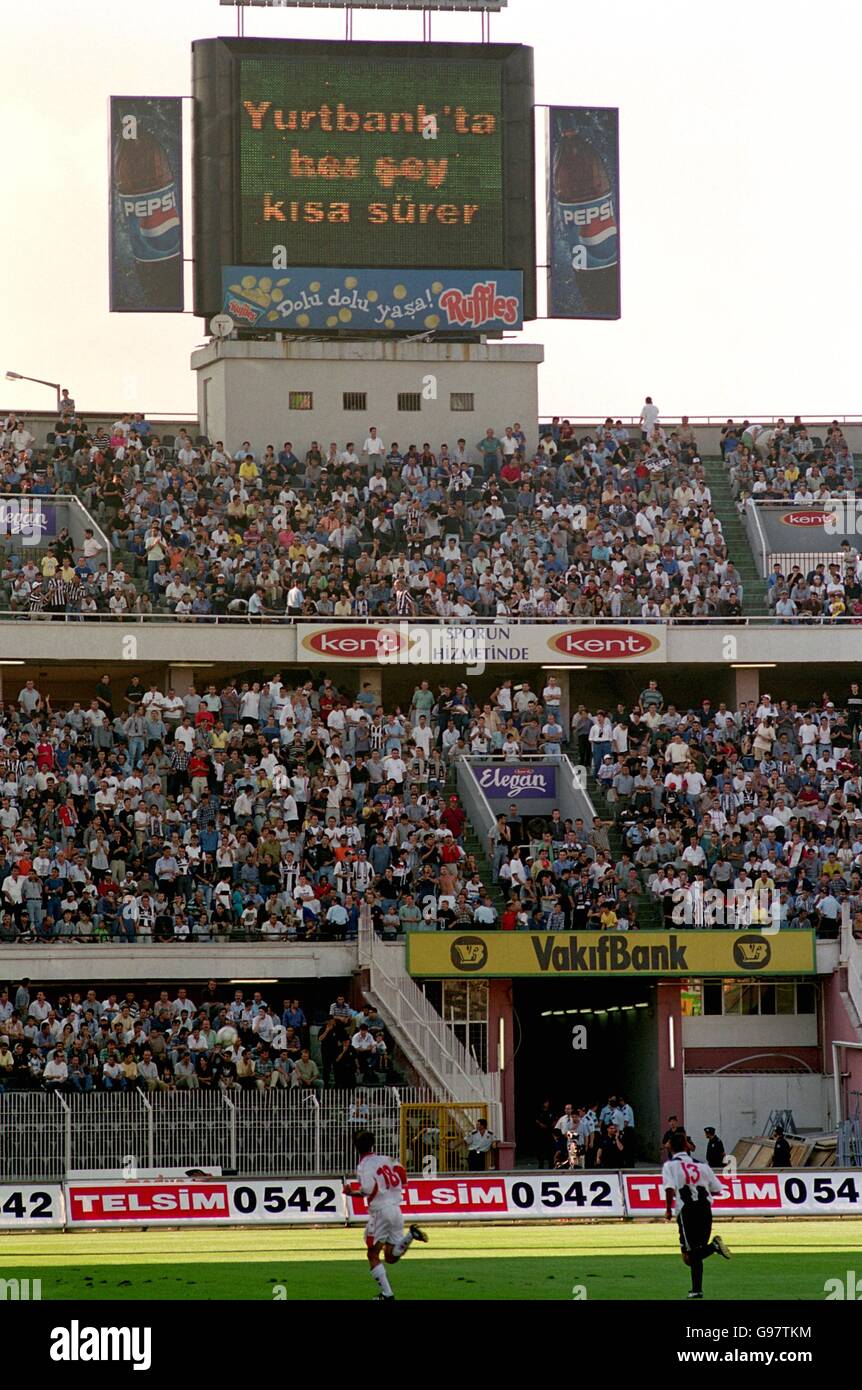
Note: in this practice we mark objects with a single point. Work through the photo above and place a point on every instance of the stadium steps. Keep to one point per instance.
(474, 844)
(736, 538)
(649, 913)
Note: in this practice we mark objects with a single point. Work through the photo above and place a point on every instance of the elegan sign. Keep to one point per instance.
(505, 954)
(511, 782)
(303, 298)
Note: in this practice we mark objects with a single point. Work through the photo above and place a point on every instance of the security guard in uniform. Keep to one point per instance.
(715, 1155)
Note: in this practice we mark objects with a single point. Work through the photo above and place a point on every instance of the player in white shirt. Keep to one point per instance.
(687, 1185)
(382, 1181)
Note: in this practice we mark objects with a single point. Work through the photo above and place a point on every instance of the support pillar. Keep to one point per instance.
(671, 1070)
(180, 679)
(501, 1058)
(373, 676)
(747, 686)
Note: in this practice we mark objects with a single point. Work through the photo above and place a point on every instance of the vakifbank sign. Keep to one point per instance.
(503, 955)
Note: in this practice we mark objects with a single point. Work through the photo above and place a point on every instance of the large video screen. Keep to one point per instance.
(400, 156)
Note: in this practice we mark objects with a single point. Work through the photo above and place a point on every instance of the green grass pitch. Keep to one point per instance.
(771, 1260)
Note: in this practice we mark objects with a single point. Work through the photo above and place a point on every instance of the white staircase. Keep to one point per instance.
(851, 960)
(428, 1042)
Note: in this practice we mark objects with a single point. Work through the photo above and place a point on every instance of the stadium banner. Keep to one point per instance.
(404, 643)
(26, 516)
(498, 1196)
(146, 217)
(810, 531)
(583, 212)
(31, 1206)
(533, 787)
(315, 1201)
(804, 1192)
(503, 955)
(372, 300)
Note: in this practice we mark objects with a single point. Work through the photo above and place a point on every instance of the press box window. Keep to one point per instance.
(354, 400)
(409, 400)
(461, 400)
(300, 400)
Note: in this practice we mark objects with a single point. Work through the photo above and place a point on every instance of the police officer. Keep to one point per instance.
(781, 1152)
(480, 1141)
(715, 1155)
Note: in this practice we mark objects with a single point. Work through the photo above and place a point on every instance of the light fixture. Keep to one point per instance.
(501, 1045)
(191, 665)
(565, 668)
(753, 665)
(19, 376)
(613, 1008)
(273, 981)
(641, 1006)
(557, 1013)
(671, 1040)
(12, 661)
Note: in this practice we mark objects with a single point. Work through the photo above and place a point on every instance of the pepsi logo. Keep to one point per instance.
(806, 518)
(354, 643)
(604, 643)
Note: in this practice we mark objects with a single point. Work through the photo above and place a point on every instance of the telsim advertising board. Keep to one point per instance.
(467, 1197)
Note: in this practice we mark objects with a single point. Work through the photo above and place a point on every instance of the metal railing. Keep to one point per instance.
(811, 421)
(44, 1138)
(426, 1039)
(383, 621)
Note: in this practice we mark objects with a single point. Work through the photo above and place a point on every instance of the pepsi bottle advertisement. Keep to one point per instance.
(583, 213)
(146, 265)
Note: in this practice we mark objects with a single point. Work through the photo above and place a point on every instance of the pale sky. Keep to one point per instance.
(741, 202)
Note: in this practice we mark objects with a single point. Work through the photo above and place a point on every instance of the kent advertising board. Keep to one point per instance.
(496, 644)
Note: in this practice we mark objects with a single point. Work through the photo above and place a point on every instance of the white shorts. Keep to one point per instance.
(385, 1226)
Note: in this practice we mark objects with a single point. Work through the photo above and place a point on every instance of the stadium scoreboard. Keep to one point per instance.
(399, 156)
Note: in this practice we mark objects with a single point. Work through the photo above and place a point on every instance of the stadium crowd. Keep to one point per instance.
(260, 811)
(267, 812)
(616, 524)
(726, 817)
(785, 463)
(113, 1044)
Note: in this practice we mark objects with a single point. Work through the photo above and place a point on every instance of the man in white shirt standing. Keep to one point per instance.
(648, 417)
(373, 446)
